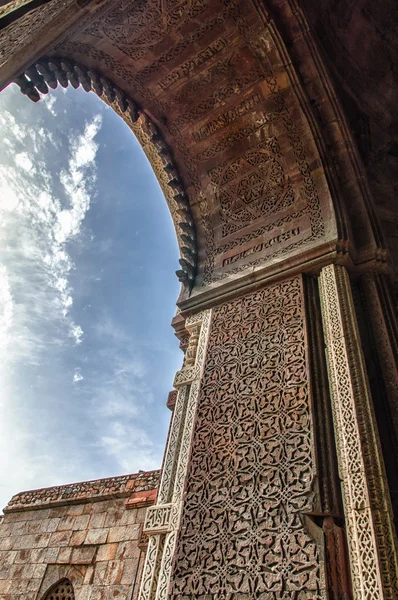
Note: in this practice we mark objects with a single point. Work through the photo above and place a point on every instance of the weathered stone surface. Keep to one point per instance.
(85, 491)
(272, 129)
(93, 543)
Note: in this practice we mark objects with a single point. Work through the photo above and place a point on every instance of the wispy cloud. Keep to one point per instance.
(37, 228)
(49, 101)
(42, 212)
(77, 376)
(6, 310)
(84, 369)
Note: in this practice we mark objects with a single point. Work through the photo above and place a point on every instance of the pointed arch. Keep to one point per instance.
(47, 73)
(61, 590)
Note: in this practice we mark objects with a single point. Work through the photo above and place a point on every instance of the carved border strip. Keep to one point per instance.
(169, 466)
(371, 537)
(150, 572)
(162, 520)
(48, 72)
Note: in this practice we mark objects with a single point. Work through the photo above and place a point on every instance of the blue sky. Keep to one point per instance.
(87, 293)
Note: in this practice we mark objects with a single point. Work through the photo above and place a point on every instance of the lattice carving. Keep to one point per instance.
(136, 27)
(165, 568)
(172, 449)
(371, 536)
(48, 72)
(252, 186)
(252, 466)
(63, 590)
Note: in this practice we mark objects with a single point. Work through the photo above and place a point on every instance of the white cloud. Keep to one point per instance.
(37, 229)
(129, 445)
(23, 161)
(77, 376)
(41, 213)
(6, 310)
(83, 400)
(49, 100)
(76, 333)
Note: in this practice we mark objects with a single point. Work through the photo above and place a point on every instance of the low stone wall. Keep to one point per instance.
(90, 533)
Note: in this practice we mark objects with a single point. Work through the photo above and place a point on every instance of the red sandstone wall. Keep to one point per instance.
(92, 539)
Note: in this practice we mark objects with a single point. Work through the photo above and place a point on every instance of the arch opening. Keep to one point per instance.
(47, 73)
(62, 590)
(125, 198)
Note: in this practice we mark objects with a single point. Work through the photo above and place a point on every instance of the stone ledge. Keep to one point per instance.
(95, 490)
(142, 499)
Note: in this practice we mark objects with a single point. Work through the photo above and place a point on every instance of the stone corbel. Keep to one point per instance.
(192, 363)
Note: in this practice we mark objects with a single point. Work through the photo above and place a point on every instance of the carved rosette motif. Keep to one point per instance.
(244, 533)
(162, 520)
(371, 536)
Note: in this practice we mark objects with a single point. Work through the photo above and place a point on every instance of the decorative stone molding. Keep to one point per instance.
(190, 354)
(162, 520)
(371, 535)
(196, 347)
(47, 73)
(124, 486)
(151, 568)
(158, 519)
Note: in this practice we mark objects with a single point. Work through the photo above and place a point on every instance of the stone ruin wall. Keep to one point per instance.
(89, 533)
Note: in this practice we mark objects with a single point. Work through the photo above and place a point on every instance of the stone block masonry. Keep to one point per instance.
(88, 532)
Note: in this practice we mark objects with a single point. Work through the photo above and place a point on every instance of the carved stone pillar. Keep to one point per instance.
(247, 527)
(162, 520)
(367, 506)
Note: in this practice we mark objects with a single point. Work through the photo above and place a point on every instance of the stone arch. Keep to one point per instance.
(61, 590)
(57, 573)
(354, 205)
(47, 73)
(267, 56)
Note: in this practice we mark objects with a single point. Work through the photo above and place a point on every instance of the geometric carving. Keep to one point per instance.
(135, 27)
(250, 481)
(370, 530)
(251, 186)
(157, 519)
(152, 563)
(256, 188)
(23, 30)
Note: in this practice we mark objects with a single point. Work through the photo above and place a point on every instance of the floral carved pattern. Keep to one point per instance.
(252, 466)
(252, 186)
(371, 535)
(135, 27)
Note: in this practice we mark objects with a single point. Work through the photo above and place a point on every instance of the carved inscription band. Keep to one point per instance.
(371, 536)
